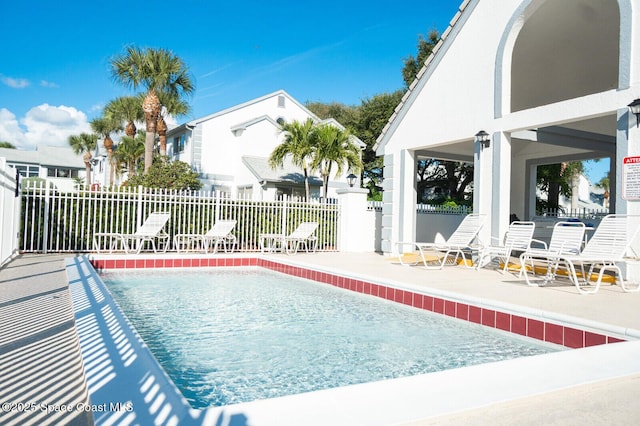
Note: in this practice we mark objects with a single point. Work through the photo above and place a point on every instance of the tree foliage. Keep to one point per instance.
(162, 75)
(297, 144)
(129, 153)
(166, 174)
(365, 121)
(413, 64)
(441, 181)
(84, 143)
(333, 147)
(555, 180)
(9, 145)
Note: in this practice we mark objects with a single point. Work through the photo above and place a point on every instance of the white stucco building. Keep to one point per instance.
(230, 149)
(59, 165)
(548, 80)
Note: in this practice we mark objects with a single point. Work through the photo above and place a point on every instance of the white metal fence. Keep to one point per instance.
(56, 221)
(576, 213)
(9, 213)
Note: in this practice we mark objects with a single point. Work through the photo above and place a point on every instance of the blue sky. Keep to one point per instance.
(55, 73)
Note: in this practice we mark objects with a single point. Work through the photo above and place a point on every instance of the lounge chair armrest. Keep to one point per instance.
(543, 243)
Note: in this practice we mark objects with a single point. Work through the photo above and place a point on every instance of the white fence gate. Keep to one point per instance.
(9, 213)
(57, 221)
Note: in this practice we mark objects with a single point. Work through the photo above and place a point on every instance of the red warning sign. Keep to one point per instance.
(631, 178)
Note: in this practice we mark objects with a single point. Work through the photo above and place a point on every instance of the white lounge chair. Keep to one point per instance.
(605, 250)
(517, 239)
(456, 245)
(567, 239)
(302, 235)
(219, 234)
(150, 231)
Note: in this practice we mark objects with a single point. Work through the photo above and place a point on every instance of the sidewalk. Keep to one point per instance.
(41, 375)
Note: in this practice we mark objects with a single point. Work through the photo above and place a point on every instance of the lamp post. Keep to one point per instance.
(483, 139)
(351, 179)
(634, 107)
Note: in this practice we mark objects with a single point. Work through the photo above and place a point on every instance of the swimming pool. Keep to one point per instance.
(236, 335)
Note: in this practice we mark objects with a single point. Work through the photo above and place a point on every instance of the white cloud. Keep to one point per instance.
(10, 130)
(49, 84)
(42, 125)
(15, 83)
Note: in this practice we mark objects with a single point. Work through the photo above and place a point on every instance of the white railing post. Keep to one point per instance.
(45, 221)
(140, 205)
(10, 203)
(283, 219)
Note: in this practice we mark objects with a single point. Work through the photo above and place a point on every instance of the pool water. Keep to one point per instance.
(228, 336)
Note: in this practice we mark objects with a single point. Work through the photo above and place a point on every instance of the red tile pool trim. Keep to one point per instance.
(546, 331)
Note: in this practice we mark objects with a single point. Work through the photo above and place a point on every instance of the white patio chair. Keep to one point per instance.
(458, 245)
(150, 231)
(302, 235)
(567, 238)
(219, 234)
(517, 239)
(605, 250)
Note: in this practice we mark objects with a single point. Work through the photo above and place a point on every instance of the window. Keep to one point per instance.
(61, 173)
(27, 170)
(245, 192)
(281, 101)
(178, 144)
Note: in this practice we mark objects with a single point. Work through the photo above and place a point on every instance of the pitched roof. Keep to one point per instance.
(248, 123)
(260, 168)
(48, 156)
(409, 97)
(251, 102)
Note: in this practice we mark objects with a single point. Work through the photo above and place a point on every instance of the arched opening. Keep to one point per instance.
(565, 49)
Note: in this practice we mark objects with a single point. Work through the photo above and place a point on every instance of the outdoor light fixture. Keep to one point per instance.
(634, 107)
(482, 138)
(351, 179)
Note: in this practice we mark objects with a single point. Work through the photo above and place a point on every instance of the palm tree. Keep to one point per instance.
(298, 144)
(84, 143)
(128, 152)
(334, 146)
(126, 109)
(158, 71)
(604, 184)
(104, 126)
(173, 106)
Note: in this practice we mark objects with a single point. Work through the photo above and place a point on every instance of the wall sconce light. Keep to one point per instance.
(634, 107)
(351, 179)
(482, 138)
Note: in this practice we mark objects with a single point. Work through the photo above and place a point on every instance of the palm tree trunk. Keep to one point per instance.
(87, 166)
(151, 107)
(148, 149)
(306, 184)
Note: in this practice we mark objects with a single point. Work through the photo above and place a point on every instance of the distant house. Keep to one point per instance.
(57, 164)
(230, 149)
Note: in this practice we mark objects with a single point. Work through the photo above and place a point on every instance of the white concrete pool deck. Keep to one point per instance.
(597, 385)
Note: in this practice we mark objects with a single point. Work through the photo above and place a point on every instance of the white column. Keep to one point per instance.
(627, 145)
(501, 185)
(482, 187)
(356, 227)
(399, 199)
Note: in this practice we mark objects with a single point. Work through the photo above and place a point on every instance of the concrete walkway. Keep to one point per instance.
(42, 379)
